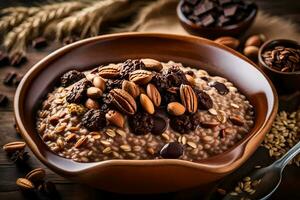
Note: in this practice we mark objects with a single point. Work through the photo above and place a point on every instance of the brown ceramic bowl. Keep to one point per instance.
(146, 176)
(234, 30)
(285, 82)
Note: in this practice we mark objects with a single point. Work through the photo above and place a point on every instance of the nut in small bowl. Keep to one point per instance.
(280, 60)
(212, 19)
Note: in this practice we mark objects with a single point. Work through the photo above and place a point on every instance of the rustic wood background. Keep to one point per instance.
(9, 172)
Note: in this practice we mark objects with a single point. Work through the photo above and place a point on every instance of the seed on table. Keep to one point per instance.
(14, 146)
(37, 174)
(24, 184)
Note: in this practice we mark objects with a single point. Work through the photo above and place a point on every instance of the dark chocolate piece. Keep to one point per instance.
(39, 42)
(203, 8)
(9, 78)
(3, 100)
(171, 150)
(230, 10)
(3, 59)
(207, 20)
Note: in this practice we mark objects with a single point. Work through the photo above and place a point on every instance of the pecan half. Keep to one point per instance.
(188, 98)
(152, 64)
(123, 101)
(14, 146)
(109, 71)
(153, 94)
(141, 77)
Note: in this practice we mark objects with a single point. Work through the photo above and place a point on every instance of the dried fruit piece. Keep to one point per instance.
(24, 184)
(129, 66)
(188, 98)
(131, 88)
(78, 92)
(171, 150)
(147, 104)
(71, 77)
(175, 77)
(204, 100)
(175, 108)
(220, 87)
(123, 101)
(37, 174)
(115, 118)
(141, 123)
(160, 125)
(92, 104)
(140, 77)
(153, 94)
(109, 71)
(151, 64)
(94, 120)
(14, 146)
(184, 123)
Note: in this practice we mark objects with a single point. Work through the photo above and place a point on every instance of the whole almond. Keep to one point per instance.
(90, 76)
(251, 52)
(175, 108)
(151, 64)
(99, 82)
(153, 94)
(255, 40)
(94, 92)
(147, 104)
(37, 174)
(188, 98)
(81, 142)
(228, 41)
(109, 71)
(92, 104)
(14, 146)
(123, 101)
(141, 77)
(131, 88)
(24, 183)
(190, 79)
(115, 118)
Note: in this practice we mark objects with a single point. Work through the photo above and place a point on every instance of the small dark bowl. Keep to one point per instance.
(285, 82)
(234, 30)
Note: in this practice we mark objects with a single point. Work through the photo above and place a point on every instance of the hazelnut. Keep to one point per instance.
(251, 52)
(99, 82)
(92, 104)
(228, 41)
(175, 108)
(255, 40)
(94, 92)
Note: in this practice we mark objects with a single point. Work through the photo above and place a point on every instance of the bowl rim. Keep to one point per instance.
(217, 168)
(266, 45)
(230, 27)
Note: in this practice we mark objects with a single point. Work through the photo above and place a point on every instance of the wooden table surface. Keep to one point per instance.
(9, 172)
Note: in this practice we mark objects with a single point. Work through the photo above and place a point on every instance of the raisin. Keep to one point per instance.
(94, 120)
(141, 123)
(220, 87)
(184, 123)
(204, 100)
(160, 81)
(129, 66)
(175, 77)
(78, 92)
(71, 77)
(170, 97)
(111, 84)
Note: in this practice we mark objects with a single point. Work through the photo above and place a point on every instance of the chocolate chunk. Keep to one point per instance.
(192, 2)
(203, 8)
(220, 87)
(222, 20)
(171, 150)
(39, 42)
(207, 20)
(3, 59)
(230, 10)
(9, 78)
(17, 58)
(160, 125)
(3, 100)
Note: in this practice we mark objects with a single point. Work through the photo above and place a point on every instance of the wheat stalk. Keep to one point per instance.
(146, 13)
(14, 17)
(16, 39)
(88, 21)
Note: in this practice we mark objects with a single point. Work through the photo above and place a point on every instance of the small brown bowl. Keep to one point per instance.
(234, 30)
(285, 82)
(146, 176)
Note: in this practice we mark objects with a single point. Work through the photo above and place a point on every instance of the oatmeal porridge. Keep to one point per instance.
(143, 109)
